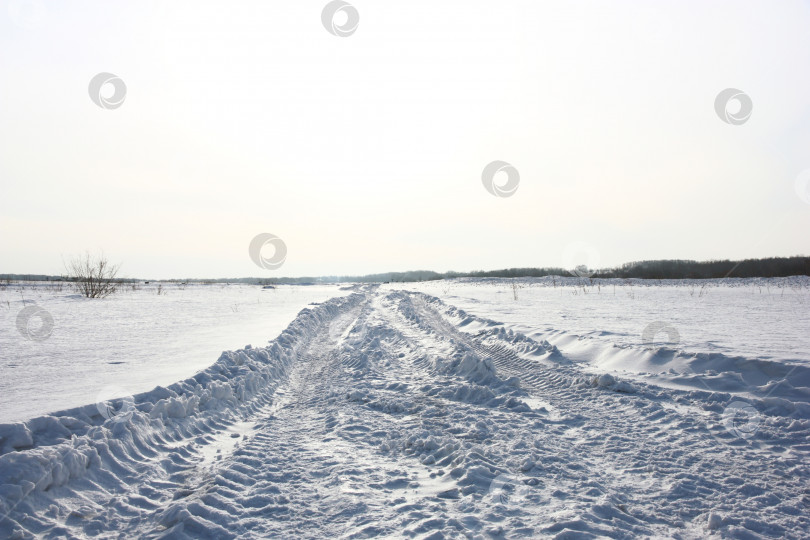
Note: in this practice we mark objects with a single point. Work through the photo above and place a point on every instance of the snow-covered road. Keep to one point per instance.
(391, 413)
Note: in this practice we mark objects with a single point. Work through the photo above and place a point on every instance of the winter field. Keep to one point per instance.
(552, 407)
(132, 341)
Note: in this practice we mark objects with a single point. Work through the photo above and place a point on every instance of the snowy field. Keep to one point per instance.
(761, 318)
(731, 334)
(455, 409)
(132, 341)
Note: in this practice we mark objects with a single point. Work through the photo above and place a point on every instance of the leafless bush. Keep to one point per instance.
(93, 276)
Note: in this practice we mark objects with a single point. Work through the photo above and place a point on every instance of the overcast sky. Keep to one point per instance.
(365, 153)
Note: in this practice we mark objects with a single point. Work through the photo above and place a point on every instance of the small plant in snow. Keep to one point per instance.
(93, 276)
(515, 288)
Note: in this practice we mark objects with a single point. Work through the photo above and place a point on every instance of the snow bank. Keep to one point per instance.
(53, 450)
(759, 381)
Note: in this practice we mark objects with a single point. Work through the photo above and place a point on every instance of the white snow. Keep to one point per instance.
(130, 342)
(732, 335)
(388, 412)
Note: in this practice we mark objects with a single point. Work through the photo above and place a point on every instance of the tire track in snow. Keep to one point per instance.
(389, 418)
(685, 472)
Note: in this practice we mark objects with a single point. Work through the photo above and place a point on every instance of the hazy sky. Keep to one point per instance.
(365, 153)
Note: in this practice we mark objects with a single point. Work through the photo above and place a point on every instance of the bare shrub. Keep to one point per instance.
(93, 276)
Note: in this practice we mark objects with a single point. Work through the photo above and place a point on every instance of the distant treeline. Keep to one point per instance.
(677, 269)
(42, 277)
(660, 269)
(29, 277)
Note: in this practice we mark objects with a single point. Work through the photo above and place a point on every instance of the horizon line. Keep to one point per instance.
(450, 274)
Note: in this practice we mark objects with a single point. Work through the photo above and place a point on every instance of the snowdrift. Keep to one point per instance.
(117, 435)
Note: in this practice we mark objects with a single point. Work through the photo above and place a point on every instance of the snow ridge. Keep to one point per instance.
(391, 413)
(118, 435)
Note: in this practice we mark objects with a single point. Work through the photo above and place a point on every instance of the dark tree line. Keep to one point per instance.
(659, 269)
(679, 269)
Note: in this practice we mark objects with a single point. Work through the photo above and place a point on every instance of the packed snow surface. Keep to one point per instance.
(390, 412)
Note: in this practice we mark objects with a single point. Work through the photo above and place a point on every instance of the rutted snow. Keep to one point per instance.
(392, 413)
(754, 318)
(744, 336)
